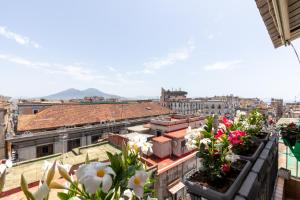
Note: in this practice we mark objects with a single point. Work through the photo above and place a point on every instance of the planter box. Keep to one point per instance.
(265, 139)
(197, 191)
(255, 154)
(261, 167)
(250, 187)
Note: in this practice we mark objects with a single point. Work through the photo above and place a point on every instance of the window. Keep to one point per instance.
(44, 150)
(213, 106)
(95, 139)
(35, 111)
(219, 106)
(73, 144)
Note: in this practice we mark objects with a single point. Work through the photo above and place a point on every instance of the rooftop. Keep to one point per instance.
(32, 170)
(161, 139)
(70, 115)
(135, 135)
(176, 134)
(168, 163)
(138, 128)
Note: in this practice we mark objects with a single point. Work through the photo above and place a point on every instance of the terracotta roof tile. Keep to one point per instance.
(68, 115)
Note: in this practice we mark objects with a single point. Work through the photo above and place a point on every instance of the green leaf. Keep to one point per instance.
(63, 196)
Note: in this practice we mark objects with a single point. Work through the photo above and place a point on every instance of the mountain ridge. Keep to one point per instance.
(73, 93)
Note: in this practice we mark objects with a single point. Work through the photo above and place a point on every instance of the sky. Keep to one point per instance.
(133, 48)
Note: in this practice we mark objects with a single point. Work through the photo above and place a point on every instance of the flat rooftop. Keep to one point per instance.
(176, 134)
(170, 162)
(138, 128)
(135, 135)
(32, 170)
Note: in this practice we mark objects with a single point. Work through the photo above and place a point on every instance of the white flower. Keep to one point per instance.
(191, 144)
(205, 141)
(94, 175)
(140, 144)
(189, 130)
(74, 198)
(8, 163)
(47, 165)
(240, 113)
(137, 182)
(128, 193)
(42, 192)
(252, 127)
(222, 126)
(146, 148)
(231, 157)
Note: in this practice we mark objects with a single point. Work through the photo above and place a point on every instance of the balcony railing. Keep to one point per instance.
(287, 160)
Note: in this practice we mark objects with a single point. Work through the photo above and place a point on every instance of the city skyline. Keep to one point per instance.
(133, 49)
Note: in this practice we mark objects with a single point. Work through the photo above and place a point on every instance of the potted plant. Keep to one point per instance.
(242, 143)
(220, 172)
(256, 122)
(290, 133)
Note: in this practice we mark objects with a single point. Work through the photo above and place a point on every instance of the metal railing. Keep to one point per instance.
(288, 160)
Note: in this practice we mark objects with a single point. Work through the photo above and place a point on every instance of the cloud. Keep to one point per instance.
(170, 59)
(112, 69)
(211, 36)
(76, 71)
(22, 40)
(223, 65)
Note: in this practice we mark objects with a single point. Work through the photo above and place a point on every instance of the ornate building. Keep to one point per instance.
(179, 103)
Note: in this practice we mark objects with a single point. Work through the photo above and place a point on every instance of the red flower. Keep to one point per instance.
(292, 124)
(227, 122)
(220, 132)
(225, 168)
(235, 137)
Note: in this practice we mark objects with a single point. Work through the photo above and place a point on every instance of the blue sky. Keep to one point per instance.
(133, 48)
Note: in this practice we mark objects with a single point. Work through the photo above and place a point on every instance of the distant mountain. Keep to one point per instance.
(79, 94)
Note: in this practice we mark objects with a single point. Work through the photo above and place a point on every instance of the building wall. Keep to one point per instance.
(162, 150)
(180, 148)
(26, 153)
(3, 122)
(29, 109)
(164, 179)
(165, 129)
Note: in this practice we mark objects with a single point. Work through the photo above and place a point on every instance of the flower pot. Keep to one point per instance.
(255, 155)
(197, 190)
(262, 137)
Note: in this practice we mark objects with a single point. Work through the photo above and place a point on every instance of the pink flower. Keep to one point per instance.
(235, 137)
(220, 132)
(227, 122)
(225, 168)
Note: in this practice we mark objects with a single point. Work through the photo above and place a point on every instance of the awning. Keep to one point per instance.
(177, 187)
(281, 18)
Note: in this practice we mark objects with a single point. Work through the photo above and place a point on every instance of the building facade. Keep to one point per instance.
(178, 102)
(277, 104)
(4, 109)
(61, 128)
